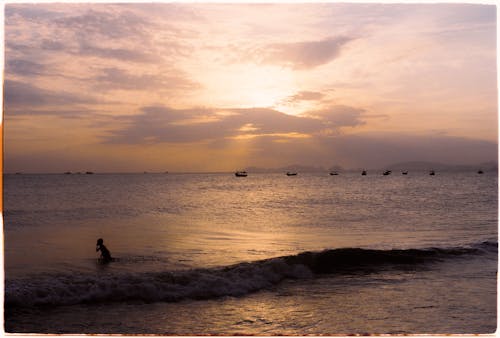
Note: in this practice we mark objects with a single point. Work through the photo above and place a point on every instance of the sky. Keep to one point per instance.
(221, 87)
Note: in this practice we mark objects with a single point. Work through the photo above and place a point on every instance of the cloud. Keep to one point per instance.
(157, 124)
(21, 95)
(66, 60)
(109, 31)
(305, 96)
(109, 22)
(87, 49)
(29, 12)
(279, 139)
(378, 150)
(52, 45)
(117, 78)
(460, 14)
(24, 67)
(340, 116)
(369, 151)
(305, 54)
(123, 54)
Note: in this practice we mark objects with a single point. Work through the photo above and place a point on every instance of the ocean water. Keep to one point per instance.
(268, 254)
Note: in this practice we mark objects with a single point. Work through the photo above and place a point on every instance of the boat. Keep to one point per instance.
(89, 173)
(480, 171)
(404, 173)
(241, 174)
(363, 173)
(333, 173)
(289, 173)
(432, 173)
(387, 172)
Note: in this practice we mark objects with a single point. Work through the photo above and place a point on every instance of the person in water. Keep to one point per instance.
(105, 254)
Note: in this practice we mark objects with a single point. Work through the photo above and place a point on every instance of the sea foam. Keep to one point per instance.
(234, 280)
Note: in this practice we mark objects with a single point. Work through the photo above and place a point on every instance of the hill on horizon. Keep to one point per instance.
(411, 165)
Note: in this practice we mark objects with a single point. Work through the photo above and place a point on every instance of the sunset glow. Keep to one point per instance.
(312, 84)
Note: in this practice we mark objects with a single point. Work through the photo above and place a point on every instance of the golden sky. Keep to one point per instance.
(219, 87)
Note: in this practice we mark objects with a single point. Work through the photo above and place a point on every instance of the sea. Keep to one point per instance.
(267, 254)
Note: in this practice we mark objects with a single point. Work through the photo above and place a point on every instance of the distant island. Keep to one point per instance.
(424, 166)
(295, 168)
(400, 166)
(411, 166)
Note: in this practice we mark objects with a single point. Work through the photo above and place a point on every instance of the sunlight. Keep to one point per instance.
(248, 86)
(283, 135)
(263, 86)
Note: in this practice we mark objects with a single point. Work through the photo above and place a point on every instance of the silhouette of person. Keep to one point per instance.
(105, 254)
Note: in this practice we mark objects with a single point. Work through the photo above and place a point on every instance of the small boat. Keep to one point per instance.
(289, 173)
(480, 171)
(404, 173)
(334, 173)
(89, 173)
(363, 173)
(387, 172)
(432, 173)
(241, 174)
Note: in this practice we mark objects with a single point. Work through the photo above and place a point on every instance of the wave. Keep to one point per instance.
(235, 280)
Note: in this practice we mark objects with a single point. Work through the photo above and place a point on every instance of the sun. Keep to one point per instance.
(249, 86)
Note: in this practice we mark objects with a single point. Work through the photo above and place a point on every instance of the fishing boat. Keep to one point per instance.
(241, 174)
(387, 172)
(290, 173)
(363, 173)
(432, 173)
(333, 173)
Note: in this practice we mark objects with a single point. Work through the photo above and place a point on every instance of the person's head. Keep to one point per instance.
(100, 241)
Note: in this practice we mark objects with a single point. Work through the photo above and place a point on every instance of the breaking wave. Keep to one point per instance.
(234, 280)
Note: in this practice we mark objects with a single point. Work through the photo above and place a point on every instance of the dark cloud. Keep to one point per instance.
(19, 93)
(305, 54)
(24, 67)
(22, 97)
(52, 45)
(13, 46)
(157, 124)
(162, 124)
(23, 113)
